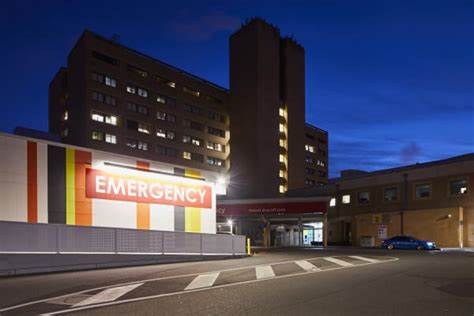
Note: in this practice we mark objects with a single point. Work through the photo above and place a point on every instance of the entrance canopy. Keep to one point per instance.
(275, 206)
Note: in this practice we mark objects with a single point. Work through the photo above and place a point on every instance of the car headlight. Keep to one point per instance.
(430, 243)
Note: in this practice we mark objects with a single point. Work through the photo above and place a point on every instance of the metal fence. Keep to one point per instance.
(17, 237)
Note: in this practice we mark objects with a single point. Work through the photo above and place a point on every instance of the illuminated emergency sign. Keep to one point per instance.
(104, 185)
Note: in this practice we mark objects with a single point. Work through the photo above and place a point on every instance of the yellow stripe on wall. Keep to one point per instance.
(70, 187)
(192, 215)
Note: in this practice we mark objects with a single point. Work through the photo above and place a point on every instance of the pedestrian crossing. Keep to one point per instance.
(181, 284)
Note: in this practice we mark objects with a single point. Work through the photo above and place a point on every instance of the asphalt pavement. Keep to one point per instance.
(332, 281)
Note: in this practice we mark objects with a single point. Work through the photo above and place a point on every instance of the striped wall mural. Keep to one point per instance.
(46, 183)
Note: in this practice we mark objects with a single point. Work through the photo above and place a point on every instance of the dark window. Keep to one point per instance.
(321, 173)
(137, 71)
(364, 197)
(197, 126)
(197, 157)
(390, 194)
(309, 136)
(104, 58)
(215, 131)
(309, 171)
(422, 191)
(166, 151)
(192, 109)
(132, 125)
(458, 187)
(309, 182)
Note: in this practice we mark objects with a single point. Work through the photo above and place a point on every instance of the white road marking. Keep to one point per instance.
(64, 296)
(264, 272)
(202, 280)
(338, 262)
(365, 259)
(108, 295)
(308, 266)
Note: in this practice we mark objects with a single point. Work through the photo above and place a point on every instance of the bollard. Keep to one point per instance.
(248, 246)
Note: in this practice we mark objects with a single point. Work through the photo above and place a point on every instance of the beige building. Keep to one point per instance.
(430, 201)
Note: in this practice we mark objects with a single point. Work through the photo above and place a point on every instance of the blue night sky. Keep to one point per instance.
(392, 81)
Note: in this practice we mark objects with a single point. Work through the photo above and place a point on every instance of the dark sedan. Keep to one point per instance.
(407, 242)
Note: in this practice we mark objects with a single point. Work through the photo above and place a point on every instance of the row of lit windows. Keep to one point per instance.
(312, 149)
(312, 183)
(101, 136)
(162, 150)
(314, 161)
(282, 128)
(422, 191)
(144, 74)
(160, 132)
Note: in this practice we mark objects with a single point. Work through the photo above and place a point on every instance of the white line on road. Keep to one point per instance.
(264, 272)
(365, 259)
(338, 261)
(202, 280)
(108, 295)
(305, 265)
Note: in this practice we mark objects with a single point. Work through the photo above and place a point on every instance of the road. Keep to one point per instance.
(333, 281)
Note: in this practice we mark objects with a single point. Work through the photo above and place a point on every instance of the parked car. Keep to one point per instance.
(407, 242)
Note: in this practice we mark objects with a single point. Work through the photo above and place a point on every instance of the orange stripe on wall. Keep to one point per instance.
(32, 179)
(83, 159)
(143, 209)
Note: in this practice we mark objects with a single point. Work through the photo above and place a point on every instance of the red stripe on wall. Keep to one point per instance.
(143, 209)
(32, 179)
(83, 205)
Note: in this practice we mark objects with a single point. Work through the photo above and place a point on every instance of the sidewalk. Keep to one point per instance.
(467, 249)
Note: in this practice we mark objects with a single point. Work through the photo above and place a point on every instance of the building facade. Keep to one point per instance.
(267, 108)
(431, 201)
(113, 98)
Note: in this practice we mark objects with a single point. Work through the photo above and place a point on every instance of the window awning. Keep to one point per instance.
(281, 206)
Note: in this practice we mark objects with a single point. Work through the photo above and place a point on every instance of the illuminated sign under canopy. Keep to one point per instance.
(104, 185)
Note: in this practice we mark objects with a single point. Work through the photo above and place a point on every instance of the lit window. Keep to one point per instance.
(458, 187)
(332, 202)
(132, 143)
(143, 93)
(309, 148)
(97, 117)
(143, 128)
(187, 155)
(282, 173)
(111, 119)
(282, 143)
(191, 91)
(161, 133)
(212, 161)
(282, 158)
(110, 82)
(171, 84)
(65, 115)
(142, 146)
(196, 142)
(186, 139)
(321, 163)
(346, 199)
(282, 127)
(170, 135)
(161, 99)
(111, 139)
(282, 112)
(281, 189)
(131, 90)
(97, 136)
(422, 191)
(364, 197)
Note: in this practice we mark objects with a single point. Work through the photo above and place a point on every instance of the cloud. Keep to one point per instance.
(204, 27)
(409, 153)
